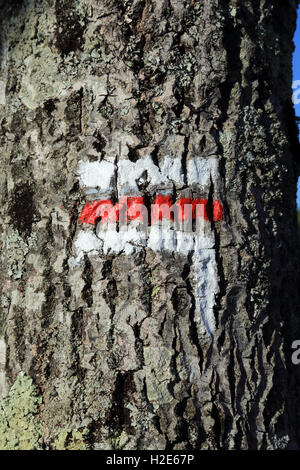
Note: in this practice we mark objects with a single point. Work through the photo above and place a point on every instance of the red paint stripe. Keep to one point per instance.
(93, 211)
(218, 211)
(161, 208)
(134, 209)
(200, 208)
(185, 208)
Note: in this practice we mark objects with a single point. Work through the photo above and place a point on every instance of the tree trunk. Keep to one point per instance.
(179, 342)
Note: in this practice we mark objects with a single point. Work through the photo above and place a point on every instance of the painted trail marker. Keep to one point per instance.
(146, 216)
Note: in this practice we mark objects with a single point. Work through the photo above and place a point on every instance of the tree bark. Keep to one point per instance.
(110, 344)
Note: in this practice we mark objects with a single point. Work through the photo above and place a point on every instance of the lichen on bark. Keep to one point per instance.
(19, 427)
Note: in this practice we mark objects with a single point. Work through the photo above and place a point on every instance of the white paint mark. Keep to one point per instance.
(145, 170)
(172, 170)
(2, 93)
(97, 175)
(124, 240)
(160, 237)
(200, 170)
(206, 289)
(129, 173)
(86, 242)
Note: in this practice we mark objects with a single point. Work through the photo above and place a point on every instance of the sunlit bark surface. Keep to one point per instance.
(106, 343)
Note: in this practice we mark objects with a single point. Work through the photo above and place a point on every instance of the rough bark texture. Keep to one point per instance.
(111, 350)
